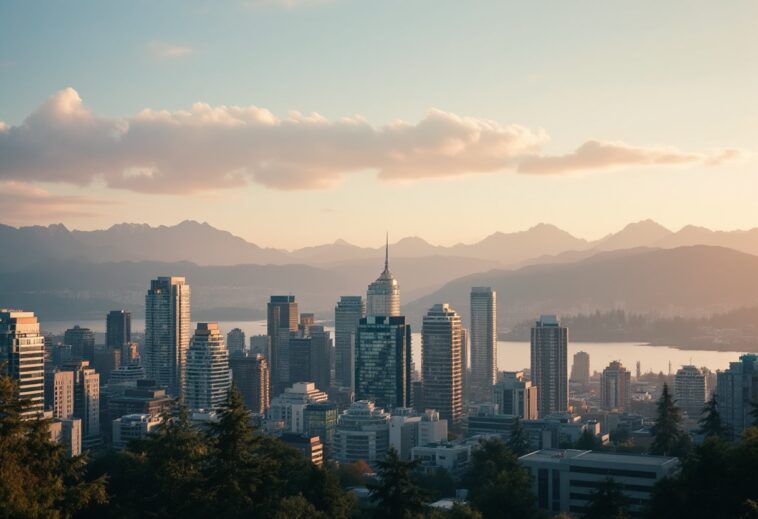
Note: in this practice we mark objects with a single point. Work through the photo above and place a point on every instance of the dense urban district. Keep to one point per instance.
(305, 423)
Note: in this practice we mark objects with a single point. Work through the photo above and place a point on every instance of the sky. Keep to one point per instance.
(298, 122)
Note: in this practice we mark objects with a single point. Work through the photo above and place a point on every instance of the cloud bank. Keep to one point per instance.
(23, 203)
(218, 147)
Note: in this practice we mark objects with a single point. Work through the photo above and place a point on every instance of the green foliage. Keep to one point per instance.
(718, 479)
(228, 471)
(607, 502)
(498, 486)
(754, 413)
(518, 442)
(395, 492)
(459, 511)
(37, 478)
(710, 423)
(668, 437)
(437, 484)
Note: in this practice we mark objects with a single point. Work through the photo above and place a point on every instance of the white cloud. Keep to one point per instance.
(217, 147)
(164, 50)
(23, 202)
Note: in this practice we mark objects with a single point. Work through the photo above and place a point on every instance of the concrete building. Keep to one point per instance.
(22, 350)
(59, 393)
(320, 419)
(483, 329)
(441, 363)
(736, 389)
(235, 341)
(208, 378)
(250, 375)
(144, 398)
(86, 400)
(549, 347)
(68, 433)
(453, 457)
(289, 407)
(362, 434)
(383, 295)
(126, 374)
(167, 332)
(409, 429)
(514, 395)
(308, 445)
(690, 391)
(281, 320)
(564, 480)
(132, 427)
(615, 387)
(347, 313)
(580, 369)
(383, 361)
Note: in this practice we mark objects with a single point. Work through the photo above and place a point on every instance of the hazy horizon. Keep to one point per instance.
(244, 114)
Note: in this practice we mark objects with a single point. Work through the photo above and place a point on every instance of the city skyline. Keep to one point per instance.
(605, 133)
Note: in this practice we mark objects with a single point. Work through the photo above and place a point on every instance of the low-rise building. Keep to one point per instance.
(310, 446)
(564, 480)
(132, 427)
(453, 457)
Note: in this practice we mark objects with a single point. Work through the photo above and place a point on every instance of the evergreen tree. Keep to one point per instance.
(668, 437)
(518, 442)
(37, 478)
(498, 486)
(754, 413)
(235, 470)
(710, 422)
(607, 502)
(396, 494)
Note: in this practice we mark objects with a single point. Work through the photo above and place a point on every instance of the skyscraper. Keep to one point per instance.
(383, 295)
(615, 387)
(118, 329)
(736, 390)
(483, 331)
(167, 332)
(549, 365)
(86, 400)
(208, 378)
(250, 375)
(282, 319)
(441, 363)
(580, 369)
(235, 341)
(383, 361)
(690, 390)
(347, 313)
(465, 364)
(82, 342)
(22, 349)
(516, 396)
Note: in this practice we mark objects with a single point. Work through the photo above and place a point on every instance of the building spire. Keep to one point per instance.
(387, 253)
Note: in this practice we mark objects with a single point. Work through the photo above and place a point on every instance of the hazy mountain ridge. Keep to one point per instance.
(203, 244)
(686, 281)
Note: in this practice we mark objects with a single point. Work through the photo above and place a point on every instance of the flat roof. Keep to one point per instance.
(555, 455)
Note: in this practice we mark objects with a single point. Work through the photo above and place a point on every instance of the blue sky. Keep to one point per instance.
(650, 76)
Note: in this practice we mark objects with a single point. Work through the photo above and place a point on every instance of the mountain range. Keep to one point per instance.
(203, 244)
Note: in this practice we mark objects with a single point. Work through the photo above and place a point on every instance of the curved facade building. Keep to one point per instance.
(208, 376)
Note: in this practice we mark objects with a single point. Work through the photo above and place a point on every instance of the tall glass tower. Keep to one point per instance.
(442, 361)
(347, 313)
(167, 332)
(550, 365)
(483, 330)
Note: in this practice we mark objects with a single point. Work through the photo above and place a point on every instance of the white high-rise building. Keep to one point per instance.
(483, 348)
(550, 365)
(167, 332)
(383, 295)
(208, 378)
(442, 362)
(690, 390)
(22, 349)
(348, 312)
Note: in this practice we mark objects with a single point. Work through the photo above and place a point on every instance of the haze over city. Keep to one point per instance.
(407, 259)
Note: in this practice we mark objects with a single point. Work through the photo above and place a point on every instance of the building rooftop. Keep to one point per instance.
(602, 457)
